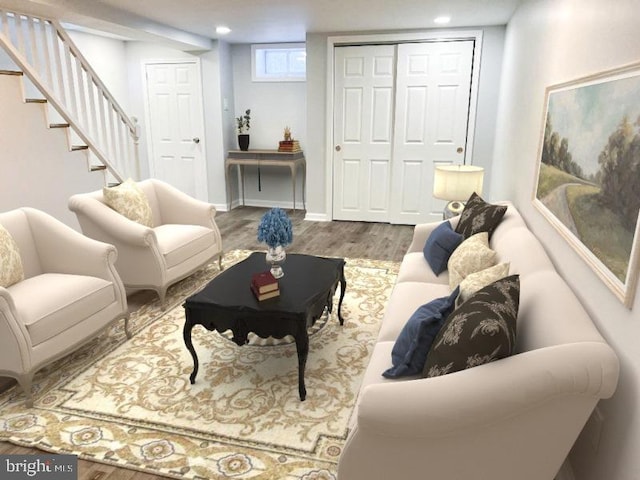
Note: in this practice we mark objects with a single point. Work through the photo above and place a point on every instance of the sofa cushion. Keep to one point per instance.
(11, 270)
(177, 242)
(63, 301)
(414, 268)
(479, 216)
(473, 255)
(129, 200)
(440, 245)
(412, 345)
(481, 330)
(475, 281)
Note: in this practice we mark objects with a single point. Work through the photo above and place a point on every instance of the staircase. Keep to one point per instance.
(43, 52)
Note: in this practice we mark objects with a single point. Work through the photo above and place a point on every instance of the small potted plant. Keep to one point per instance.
(276, 231)
(243, 124)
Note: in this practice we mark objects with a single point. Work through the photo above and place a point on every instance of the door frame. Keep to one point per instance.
(425, 36)
(204, 185)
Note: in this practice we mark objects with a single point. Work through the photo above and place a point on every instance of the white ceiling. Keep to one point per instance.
(262, 21)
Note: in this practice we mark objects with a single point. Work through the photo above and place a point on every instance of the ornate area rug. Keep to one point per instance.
(130, 403)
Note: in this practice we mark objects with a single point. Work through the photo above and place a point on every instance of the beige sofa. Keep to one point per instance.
(65, 293)
(514, 418)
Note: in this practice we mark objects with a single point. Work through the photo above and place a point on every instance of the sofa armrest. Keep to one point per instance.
(100, 221)
(489, 394)
(179, 208)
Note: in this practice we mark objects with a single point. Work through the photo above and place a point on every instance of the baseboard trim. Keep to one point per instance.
(317, 217)
(286, 205)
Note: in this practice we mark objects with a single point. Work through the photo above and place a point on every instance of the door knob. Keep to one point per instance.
(460, 150)
(338, 148)
(196, 140)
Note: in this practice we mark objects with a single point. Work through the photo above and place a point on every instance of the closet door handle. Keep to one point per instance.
(338, 148)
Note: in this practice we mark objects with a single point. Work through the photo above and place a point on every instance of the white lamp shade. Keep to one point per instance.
(457, 182)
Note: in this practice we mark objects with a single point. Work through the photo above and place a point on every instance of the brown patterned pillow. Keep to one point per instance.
(481, 330)
(479, 216)
(11, 270)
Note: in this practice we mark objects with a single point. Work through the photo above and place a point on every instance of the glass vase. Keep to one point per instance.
(275, 257)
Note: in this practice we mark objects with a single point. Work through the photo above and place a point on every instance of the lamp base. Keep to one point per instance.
(452, 209)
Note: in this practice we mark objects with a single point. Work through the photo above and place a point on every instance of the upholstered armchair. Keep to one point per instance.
(162, 237)
(59, 289)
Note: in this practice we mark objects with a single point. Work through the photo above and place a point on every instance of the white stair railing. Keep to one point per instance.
(43, 50)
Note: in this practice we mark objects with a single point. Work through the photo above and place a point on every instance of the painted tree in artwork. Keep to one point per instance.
(556, 152)
(620, 171)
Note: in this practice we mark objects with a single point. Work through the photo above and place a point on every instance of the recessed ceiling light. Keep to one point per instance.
(442, 20)
(222, 30)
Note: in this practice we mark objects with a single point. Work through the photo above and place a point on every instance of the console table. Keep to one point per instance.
(271, 158)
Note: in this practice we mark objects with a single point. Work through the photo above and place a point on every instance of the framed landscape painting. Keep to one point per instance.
(589, 172)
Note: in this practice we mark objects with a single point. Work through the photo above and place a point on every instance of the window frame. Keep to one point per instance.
(259, 75)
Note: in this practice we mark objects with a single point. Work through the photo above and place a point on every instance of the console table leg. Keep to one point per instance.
(186, 334)
(302, 347)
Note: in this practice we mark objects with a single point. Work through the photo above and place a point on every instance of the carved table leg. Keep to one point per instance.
(302, 347)
(186, 334)
(343, 287)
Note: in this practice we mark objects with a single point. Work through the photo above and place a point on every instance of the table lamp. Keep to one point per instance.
(456, 183)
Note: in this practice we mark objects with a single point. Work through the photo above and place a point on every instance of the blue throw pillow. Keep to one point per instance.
(410, 351)
(440, 245)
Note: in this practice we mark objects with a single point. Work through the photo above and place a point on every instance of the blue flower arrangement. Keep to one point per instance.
(275, 228)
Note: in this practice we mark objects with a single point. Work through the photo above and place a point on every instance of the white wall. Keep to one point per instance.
(37, 168)
(548, 42)
(274, 105)
(317, 122)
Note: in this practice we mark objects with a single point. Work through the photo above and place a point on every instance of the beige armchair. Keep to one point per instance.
(66, 291)
(183, 236)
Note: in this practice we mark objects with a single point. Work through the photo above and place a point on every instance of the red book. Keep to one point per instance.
(264, 296)
(264, 282)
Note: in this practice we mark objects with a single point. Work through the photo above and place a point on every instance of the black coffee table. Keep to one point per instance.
(227, 303)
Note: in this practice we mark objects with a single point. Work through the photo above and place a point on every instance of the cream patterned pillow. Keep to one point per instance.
(478, 280)
(11, 270)
(129, 199)
(471, 256)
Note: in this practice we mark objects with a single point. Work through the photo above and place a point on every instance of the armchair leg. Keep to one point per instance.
(220, 267)
(25, 381)
(162, 293)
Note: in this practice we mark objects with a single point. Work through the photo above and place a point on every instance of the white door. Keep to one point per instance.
(399, 111)
(363, 130)
(432, 109)
(176, 126)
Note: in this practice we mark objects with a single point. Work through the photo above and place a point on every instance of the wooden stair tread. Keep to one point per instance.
(58, 125)
(96, 168)
(79, 147)
(35, 100)
(11, 72)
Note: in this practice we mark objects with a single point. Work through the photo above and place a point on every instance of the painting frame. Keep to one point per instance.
(590, 139)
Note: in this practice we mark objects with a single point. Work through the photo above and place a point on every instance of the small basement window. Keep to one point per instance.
(279, 62)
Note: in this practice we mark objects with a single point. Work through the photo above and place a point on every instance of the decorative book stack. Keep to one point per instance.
(264, 285)
(292, 146)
